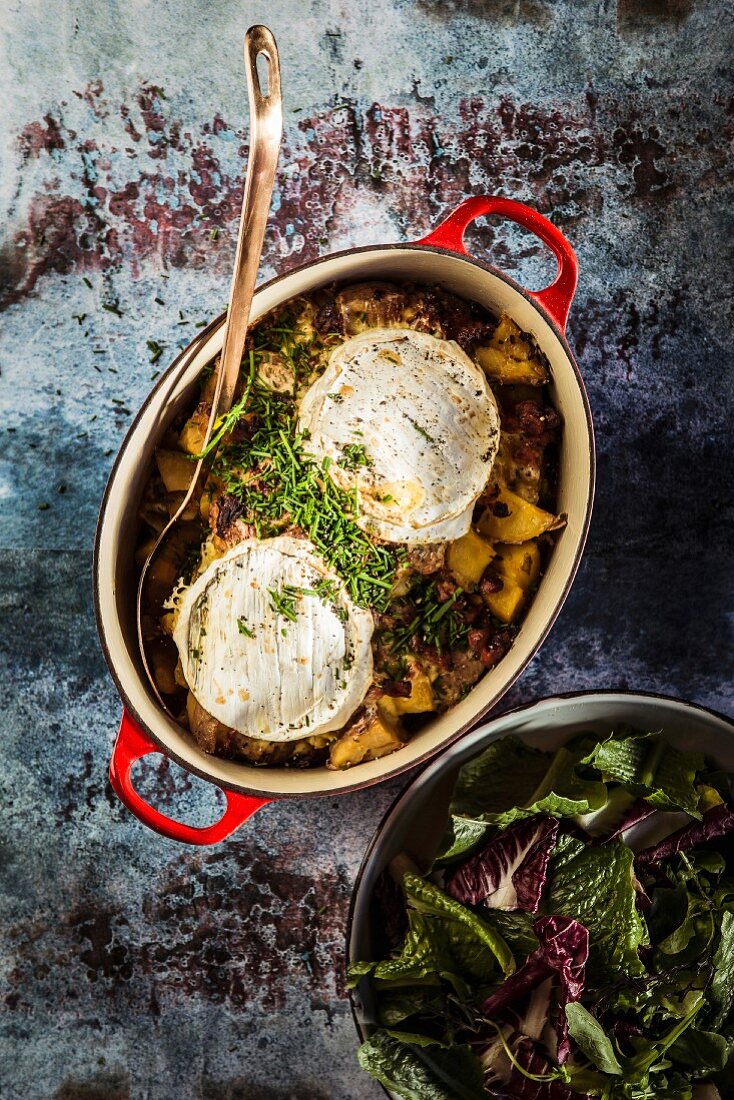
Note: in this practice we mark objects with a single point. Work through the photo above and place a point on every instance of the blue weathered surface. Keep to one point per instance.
(135, 968)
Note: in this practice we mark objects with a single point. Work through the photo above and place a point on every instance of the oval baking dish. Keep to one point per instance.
(439, 258)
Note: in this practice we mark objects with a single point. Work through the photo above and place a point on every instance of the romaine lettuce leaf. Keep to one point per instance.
(648, 766)
(515, 928)
(416, 1038)
(463, 835)
(509, 872)
(394, 1005)
(621, 812)
(444, 938)
(593, 884)
(419, 1073)
(504, 774)
(463, 928)
(510, 781)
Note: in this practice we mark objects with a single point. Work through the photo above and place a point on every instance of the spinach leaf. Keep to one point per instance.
(591, 1038)
(651, 1052)
(668, 909)
(692, 937)
(702, 1052)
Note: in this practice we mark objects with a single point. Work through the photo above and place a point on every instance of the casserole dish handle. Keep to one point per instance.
(555, 299)
(131, 745)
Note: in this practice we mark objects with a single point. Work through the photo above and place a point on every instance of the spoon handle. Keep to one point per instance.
(266, 127)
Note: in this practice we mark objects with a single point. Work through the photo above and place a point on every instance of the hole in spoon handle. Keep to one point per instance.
(263, 69)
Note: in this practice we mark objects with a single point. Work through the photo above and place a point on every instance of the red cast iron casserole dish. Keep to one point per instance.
(440, 258)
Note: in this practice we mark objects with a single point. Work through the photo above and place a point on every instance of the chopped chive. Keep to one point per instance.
(155, 349)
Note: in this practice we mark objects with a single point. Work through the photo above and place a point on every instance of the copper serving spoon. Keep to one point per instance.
(266, 127)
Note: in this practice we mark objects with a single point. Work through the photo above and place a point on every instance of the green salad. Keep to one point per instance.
(574, 937)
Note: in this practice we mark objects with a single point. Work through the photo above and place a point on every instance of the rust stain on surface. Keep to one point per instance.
(178, 187)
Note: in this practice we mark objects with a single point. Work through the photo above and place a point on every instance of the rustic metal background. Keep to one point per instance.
(136, 968)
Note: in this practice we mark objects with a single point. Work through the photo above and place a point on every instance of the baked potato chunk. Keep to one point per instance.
(176, 470)
(163, 659)
(507, 603)
(514, 520)
(520, 563)
(468, 557)
(193, 433)
(382, 736)
(510, 357)
(205, 729)
(420, 700)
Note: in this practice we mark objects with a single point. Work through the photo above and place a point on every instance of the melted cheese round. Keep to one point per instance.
(411, 423)
(263, 653)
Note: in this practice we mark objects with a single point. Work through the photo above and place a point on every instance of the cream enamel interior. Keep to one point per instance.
(115, 580)
(416, 821)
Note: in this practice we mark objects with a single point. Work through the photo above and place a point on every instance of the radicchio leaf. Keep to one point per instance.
(715, 822)
(562, 954)
(510, 871)
(639, 811)
(503, 1079)
(523, 1088)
